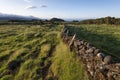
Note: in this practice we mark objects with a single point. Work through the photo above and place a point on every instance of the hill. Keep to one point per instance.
(105, 20)
(56, 20)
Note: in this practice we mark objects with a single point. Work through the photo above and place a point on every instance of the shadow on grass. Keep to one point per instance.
(106, 42)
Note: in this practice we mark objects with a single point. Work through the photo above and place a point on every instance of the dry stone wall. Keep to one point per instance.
(97, 65)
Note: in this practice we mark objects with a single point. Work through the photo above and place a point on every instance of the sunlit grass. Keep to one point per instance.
(35, 52)
(66, 66)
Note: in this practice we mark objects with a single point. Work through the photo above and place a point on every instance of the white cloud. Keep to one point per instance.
(31, 7)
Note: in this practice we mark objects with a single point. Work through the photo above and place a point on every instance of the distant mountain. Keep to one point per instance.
(15, 17)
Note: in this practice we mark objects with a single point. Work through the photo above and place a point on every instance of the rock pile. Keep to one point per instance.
(98, 65)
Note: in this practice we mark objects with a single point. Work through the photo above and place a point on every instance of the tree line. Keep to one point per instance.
(107, 20)
(32, 22)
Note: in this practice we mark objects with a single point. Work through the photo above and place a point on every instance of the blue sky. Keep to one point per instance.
(62, 8)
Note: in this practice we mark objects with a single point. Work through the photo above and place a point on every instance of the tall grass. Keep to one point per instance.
(105, 37)
(34, 53)
(66, 66)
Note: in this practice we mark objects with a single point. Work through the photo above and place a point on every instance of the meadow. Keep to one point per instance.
(104, 37)
(36, 53)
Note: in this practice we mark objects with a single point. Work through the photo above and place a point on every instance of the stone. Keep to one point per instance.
(107, 60)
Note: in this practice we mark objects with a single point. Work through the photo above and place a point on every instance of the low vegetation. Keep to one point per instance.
(36, 53)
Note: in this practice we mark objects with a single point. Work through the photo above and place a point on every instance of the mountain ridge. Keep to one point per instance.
(4, 16)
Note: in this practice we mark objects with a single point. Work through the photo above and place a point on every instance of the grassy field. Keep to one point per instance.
(105, 37)
(36, 53)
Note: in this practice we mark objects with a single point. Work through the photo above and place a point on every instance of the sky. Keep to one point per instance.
(71, 9)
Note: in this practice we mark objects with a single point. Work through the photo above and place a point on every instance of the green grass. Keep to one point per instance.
(66, 66)
(105, 37)
(36, 53)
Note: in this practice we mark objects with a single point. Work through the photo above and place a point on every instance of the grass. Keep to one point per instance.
(36, 53)
(66, 66)
(105, 37)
